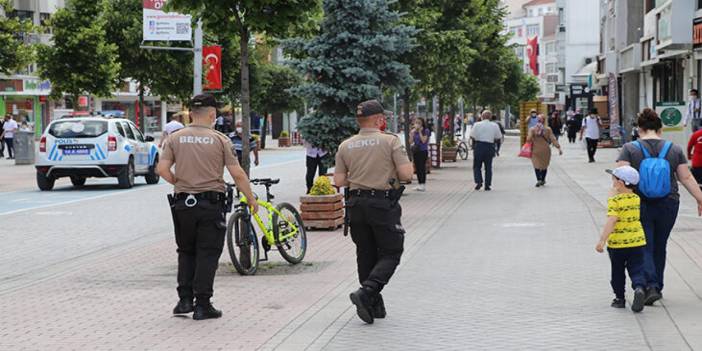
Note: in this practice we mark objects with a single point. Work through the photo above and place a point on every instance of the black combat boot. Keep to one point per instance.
(379, 307)
(205, 310)
(362, 299)
(184, 306)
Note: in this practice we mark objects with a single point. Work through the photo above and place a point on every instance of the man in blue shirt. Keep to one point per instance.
(532, 120)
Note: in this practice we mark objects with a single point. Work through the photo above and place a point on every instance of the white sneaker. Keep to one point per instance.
(421, 187)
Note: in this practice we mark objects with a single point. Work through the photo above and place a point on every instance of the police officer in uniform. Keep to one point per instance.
(200, 154)
(371, 164)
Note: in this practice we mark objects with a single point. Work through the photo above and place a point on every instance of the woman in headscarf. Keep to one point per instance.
(541, 138)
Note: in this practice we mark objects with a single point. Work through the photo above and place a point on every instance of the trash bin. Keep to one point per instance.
(24, 148)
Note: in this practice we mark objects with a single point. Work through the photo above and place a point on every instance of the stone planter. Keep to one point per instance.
(322, 211)
(449, 154)
(284, 141)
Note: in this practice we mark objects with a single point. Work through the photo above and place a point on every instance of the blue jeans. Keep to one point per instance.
(658, 218)
(629, 259)
(483, 153)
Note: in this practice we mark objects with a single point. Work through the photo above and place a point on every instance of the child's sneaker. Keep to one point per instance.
(639, 299)
(618, 303)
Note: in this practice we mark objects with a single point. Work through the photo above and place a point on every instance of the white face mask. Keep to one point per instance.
(239, 130)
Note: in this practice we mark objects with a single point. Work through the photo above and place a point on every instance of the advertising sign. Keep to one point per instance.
(212, 59)
(671, 114)
(161, 26)
(613, 99)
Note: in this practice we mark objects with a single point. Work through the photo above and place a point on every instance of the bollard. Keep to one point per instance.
(24, 148)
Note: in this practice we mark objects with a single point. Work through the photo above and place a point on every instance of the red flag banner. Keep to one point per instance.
(212, 59)
(533, 54)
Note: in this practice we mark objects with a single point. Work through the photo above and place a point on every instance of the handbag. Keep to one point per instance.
(526, 150)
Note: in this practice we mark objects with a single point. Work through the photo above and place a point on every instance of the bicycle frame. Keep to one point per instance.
(268, 229)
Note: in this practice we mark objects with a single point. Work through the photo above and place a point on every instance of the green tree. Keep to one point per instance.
(353, 59)
(243, 19)
(14, 53)
(80, 61)
(168, 74)
(272, 92)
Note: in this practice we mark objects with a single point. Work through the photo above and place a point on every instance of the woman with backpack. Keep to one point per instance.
(661, 165)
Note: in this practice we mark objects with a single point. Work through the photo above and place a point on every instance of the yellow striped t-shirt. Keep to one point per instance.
(628, 231)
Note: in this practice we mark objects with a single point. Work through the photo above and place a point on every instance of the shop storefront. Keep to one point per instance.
(26, 100)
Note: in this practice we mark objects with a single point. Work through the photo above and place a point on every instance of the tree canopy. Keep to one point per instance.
(80, 61)
(14, 52)
(354, 57)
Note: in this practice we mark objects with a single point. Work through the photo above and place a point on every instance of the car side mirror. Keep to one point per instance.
(149, 138)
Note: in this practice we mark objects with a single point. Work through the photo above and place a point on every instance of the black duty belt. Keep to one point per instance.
(375, 194)
(192, 199)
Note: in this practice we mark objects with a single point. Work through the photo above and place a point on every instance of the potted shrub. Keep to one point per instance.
(323, 207)
(449, 150)
(284, 139)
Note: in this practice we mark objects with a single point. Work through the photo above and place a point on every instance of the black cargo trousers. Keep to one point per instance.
(199, 235)
(379, 237)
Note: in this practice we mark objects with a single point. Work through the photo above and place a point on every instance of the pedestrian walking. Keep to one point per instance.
(2, 141)
(175, 124)
(420, 151)
(694, 154)
(556, 124)
(198, 204)
(368, 164)
(532, 119)
(693, 115)
(591, 130)
(236, 138)
(572, 126)
(9, 128)
(661, 165)
(625, 239)
(315, 158)
(484, 135)
(542, 138)
(498, 143)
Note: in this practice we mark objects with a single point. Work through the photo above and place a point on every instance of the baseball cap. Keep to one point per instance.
(203, 100)
(369, 108)
(627, 174)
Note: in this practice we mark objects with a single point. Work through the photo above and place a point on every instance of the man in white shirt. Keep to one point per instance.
(9, 129)
(173, 126)
(694, 106)
(591, 130)
(484, 134)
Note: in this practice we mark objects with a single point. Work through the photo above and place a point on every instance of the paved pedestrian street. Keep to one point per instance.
(510, 269)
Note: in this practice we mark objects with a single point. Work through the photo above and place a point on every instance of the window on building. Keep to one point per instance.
(668, 81)
(541, 11)
(532, 30)
(531, 12)
(551, 68)
(550, 48)
(519, 51)
(22, 15)
(699, 4)
(44, 22)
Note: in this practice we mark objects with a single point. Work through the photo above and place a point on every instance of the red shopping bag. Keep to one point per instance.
(525, 151)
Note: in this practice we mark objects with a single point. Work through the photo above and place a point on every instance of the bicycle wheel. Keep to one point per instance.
(242, 244)
(292, 248)
(463, 150)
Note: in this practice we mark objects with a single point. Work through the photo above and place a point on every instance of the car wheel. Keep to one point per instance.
(152, 177)
(77, 181)
(44, 182)
(126, 177)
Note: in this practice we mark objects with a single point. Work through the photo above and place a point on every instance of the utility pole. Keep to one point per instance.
(197, 59)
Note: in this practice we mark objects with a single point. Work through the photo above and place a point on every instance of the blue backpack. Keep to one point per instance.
(654, 173)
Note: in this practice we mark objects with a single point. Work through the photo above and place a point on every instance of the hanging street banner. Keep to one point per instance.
(532, 49)
(161, 26)
(613, 98)
(212, 60)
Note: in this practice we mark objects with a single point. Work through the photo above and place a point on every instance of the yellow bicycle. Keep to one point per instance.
(284, 229)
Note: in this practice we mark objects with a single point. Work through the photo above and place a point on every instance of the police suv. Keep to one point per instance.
(95, 146)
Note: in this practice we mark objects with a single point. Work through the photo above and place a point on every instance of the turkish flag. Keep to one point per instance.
(533, 54)
(212, 59)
